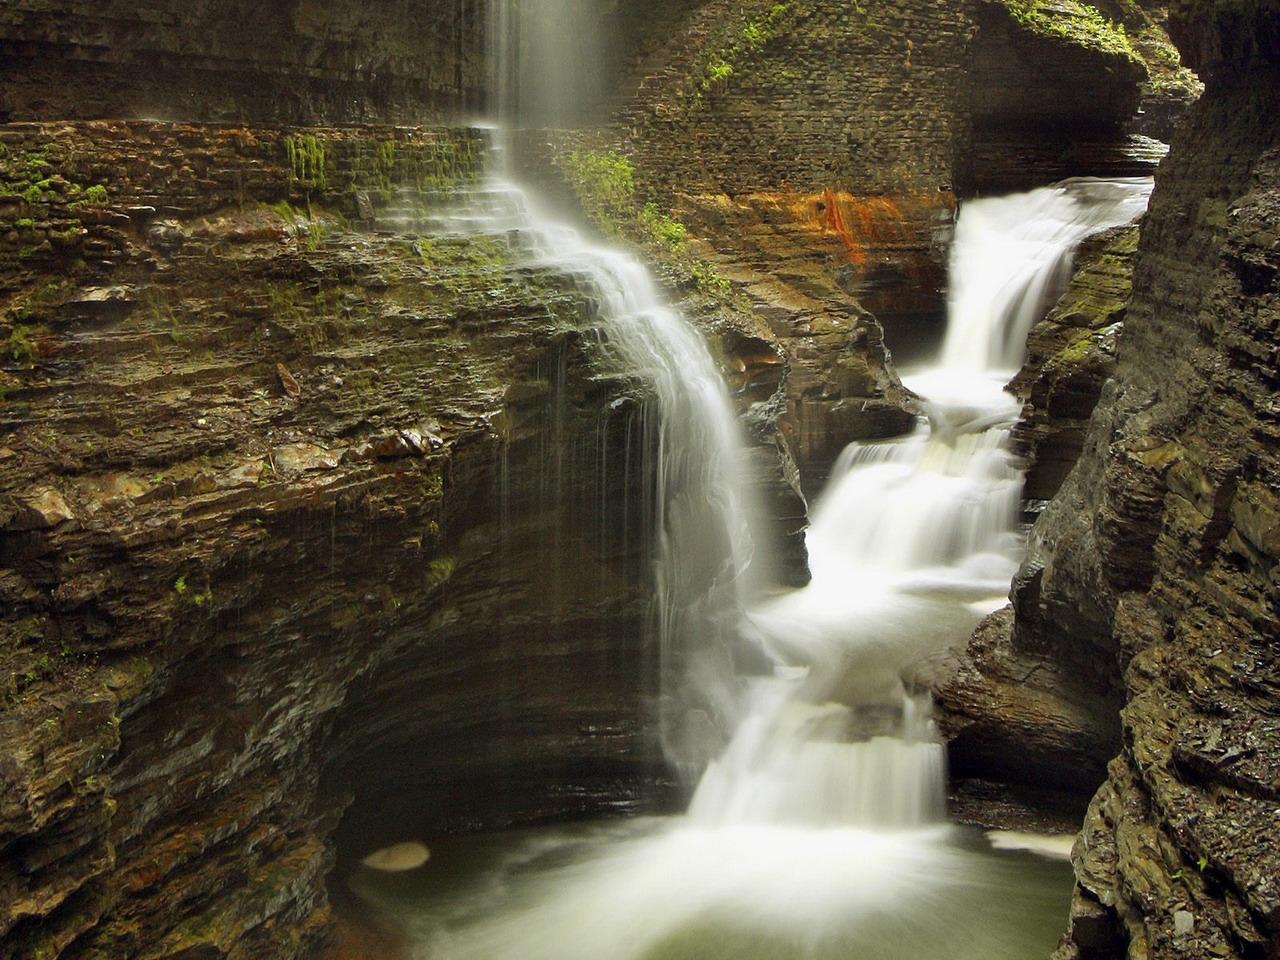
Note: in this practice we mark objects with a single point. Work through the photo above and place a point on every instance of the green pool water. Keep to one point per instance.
(661, 889)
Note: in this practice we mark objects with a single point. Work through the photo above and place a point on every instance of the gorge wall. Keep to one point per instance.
(279, 481)
(276, 495)
(1159, 555)
(297, 61)
(815, 152)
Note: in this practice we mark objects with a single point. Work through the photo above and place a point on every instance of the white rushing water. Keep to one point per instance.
(545, 63)
(913, 541)
(819, 830)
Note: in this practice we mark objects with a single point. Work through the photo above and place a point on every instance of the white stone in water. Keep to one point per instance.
(399, 858)
(1183, 922)
(1043, 844)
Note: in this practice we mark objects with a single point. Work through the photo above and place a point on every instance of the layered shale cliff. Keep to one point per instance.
(280, 477)
(281, 466)
(1151, 586)
(815, 150)
(299, 61)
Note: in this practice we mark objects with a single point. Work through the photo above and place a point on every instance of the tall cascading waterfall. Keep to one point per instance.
(911, 544)
(546, 70)
(819, 831)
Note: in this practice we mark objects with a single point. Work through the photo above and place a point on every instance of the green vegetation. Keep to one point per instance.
(605, 184)
(302, 224)
(307, 159)
(442, 570)
(749, 40)
(21, 347)
(717, 72)
(34, 176)
(181, 588)
(1080, 23)
(428, 167)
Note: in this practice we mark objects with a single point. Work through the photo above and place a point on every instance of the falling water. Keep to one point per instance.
(543, 68)
(1011, 259)
(912, 543)
(819, 830)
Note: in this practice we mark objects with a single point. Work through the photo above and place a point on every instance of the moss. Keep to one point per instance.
(96, 196)
(307, 161)
(750, 39)
(1078, 351)
(442, 570)
(24, 223)
(20, 346)
(185, 593)
(433, 487)
(605, 184)
(1079, 23)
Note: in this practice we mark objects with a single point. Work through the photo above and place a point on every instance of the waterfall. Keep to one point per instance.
(819, 829)
(702, 540)
(1011, 258)
(913, 541)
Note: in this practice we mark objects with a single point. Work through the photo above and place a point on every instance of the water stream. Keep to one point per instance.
(819, 829)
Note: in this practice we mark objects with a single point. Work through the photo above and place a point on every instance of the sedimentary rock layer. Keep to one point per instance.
(280, 480)
(311, 61)
(1157, 561)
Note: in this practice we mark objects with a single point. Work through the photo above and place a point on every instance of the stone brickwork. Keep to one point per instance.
(863, 96)
(79, 189)
(310, 61)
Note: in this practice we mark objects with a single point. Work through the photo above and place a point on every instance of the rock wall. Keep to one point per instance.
(1157, 561)
(815, 149)
(1070, 356)
(299, 61)
(280, 479)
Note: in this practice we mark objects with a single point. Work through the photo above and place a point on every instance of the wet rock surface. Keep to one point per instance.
(279, 484)
(1153, 570)
(280, 478)
(1070, 356)
(310, 62)
(1027, 740)
(834, 224)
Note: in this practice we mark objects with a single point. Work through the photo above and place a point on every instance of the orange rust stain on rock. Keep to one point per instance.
(859, 223)
(831, 215)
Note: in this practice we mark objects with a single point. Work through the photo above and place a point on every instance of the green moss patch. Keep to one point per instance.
(1080, 23)
(605, 183)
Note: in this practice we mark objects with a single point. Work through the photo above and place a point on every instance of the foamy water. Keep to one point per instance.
(819, 829)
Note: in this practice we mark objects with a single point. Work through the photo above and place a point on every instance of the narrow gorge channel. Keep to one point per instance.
(640, 480)
(820, 829)
(817, 822)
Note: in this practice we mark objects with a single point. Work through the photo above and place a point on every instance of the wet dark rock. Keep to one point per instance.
(388, 61)
(1155, 564)
(260, 533)
(1016, 718)
(1070, 356)
(231, 611)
